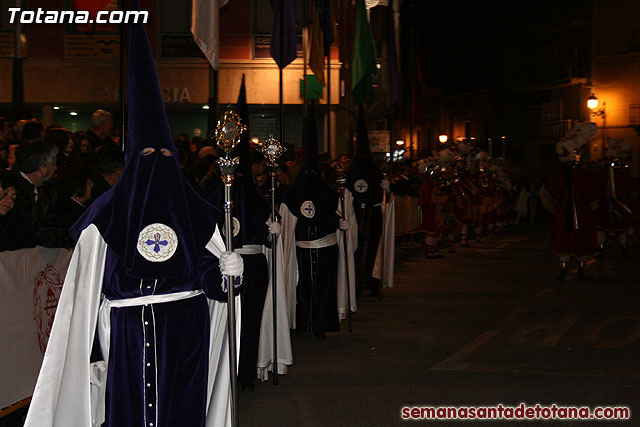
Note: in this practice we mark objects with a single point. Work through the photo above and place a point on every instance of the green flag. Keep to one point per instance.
(364, 57)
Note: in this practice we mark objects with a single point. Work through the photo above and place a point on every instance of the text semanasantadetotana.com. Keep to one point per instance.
(41, 16)
(521, 412)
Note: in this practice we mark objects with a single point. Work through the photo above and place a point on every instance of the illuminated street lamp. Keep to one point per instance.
(400, 142)
(443, 139)
(592, 104)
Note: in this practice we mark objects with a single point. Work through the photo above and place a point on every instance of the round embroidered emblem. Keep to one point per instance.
(308, 209)
(236, 227)
(157, 242)
(361, 186)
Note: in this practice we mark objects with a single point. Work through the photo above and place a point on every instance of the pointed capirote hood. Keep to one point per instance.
(364, 177)
(152, 218)
(243, 150)
(310, 141)
(363, 150)
(309, 185)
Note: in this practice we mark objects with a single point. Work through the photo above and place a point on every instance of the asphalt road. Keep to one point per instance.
(487, 325)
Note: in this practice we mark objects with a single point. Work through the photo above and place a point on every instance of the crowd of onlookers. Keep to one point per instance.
(50, 175)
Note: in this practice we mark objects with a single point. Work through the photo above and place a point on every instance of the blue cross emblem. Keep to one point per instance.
(156, 242)
(361, 187)
(308, 210)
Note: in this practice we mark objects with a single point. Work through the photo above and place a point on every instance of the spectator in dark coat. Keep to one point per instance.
(99, 135)
(75, 185)
(109, 165)
(35, 165)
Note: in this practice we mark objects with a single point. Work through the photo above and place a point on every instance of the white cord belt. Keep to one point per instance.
(151, 299)
(249, 250)
(328, 240)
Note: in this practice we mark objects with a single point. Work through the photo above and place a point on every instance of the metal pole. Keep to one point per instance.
(212, 117)
(272, 149)
(329, 103)
(228, 135)
(231, 307)
(274, 275)
(341, 187)
(123, 79)
(274, 300)
(17, 96)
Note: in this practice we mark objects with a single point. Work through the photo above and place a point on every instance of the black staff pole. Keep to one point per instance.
(272, 149)
(342, 183)
(228, 135)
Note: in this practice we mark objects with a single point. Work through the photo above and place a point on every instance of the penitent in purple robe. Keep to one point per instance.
(159, 353)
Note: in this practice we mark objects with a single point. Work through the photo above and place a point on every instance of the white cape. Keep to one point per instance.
(265, 346)
(347, 246)
(63, 393)
(383, 268)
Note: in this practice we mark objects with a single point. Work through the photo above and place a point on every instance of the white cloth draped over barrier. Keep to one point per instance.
(30, 285)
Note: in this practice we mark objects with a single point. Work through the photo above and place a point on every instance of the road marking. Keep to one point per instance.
(593, 334)
(462, 354)
(525, 337)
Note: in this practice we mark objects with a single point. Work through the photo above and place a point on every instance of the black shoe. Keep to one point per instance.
(319, 335)
(562, 276)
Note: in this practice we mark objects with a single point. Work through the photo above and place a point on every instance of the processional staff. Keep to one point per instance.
(228, 133)
(272, 150)
(342, 185)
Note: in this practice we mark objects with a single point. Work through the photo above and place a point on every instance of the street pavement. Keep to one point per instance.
(487, 325)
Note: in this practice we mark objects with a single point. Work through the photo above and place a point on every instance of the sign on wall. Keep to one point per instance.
(379, 140)
(91, 46)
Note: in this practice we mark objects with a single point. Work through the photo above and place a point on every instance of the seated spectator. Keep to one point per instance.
(7, 201)
(61, 138)
(4, 155)
(99, 135)
(75, 185)
(5, 130)
(33, 129)
(35, 165)
(108, 167)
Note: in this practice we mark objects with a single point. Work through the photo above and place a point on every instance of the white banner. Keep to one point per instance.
(30, 285)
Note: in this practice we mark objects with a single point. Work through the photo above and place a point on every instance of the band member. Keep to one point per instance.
(568, 193)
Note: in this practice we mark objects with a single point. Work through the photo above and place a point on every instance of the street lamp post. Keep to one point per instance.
(592, 104)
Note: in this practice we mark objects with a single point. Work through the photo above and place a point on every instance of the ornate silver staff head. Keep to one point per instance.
(228, 133)
(272, 149)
